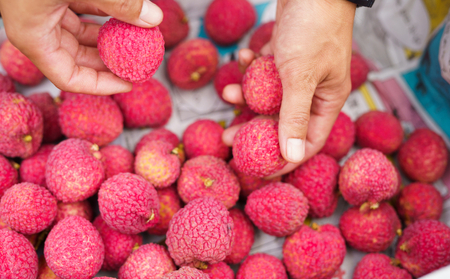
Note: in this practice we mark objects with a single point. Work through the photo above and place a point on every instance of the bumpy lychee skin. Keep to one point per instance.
(7, 84)
(424, 247)
(208, 176)
(262, 86)
(243, 115)
(131, 52)
(341, 138)
(193, 64)
(116, 159)
(370, 230)
(314, 252)
(374, 266)
(358, 71)
(204, 137)
(256, 150)
(201, 233)
(261, 266)
(279, 209)
(28, 208)
(161, 134)
(261, 36)
(379, 130)
(244, 236)
(186, 272)
(367, 176)
(8, 175)
(18, 66)
(229, 73)
(317, 179)
(175, 25)
(49, 108)
(170, 203)
(17, 256)
(118, 246)
(419, 201)
(128, 203)
(74, 170)
(74, 249)
(94, 118)
(423, 157)
(22, 126)
(44, 272)
(227, 21)
(82, 209)
(32, 169)
(219, 271)
(148, 104)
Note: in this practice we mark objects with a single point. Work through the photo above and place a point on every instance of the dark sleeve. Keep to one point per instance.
(363, 3)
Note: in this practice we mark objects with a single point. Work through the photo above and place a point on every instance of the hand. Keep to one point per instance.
(64, 48)
(312, 45)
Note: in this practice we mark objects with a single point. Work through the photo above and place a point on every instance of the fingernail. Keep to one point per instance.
(150, 13)
(295, 150)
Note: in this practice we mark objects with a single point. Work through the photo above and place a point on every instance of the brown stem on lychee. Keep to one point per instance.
(399, 232)
(195, 76)
(175, 151)
(41, 238)
(152, 216)
(57, 101)
(314, 226)
(97, 155)
(184, 19)
(395, 262)
(15, 165)
(404, 247)
(222, 123)
(136, 246)
(94, 147)
(307, 221)
(237, 112)
(374, 206)
(207, 181)
(200, 265)
(27, 138)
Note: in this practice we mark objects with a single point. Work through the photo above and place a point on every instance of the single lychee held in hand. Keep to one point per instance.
(201, 233)
(341, 138)
(256, 149)
(131, 52)
(244, 237)
(229, 73)
(32, 169)
(261, 36)
(8, 174)
(128, 203)
(219, 271)
(175, 25)
(116, 159)
(261, 265)
(170, 203)
(315, 252)
(375, 266)
(49, 108)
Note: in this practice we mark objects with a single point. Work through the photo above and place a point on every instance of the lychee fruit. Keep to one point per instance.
(370, 230)
(118, 246)
(74, 249)
(32, 169)
(128, 203)
(201, 233)
(49, 108)
(175, 24)
(8, 174)
(81, 208)
(261, 265)
(317, 179)
(374, 266)
(262, 86)
(204, 137)
(74, 170)
(28, 208)
(243, 115)
(94, 118)
(315, 252)
(208, 176)
(148, 104)
(17, 256)
(424, 247)
(423, 157)
(18, 66)
(186, 272)
(367, 176)
(358, 70)
(161, 134)
(7, 84)
(116, 159)
(229, 73)
(341, 138)
(256, 149)
(63, 95)
(193, 64)
(379, 130)
(419, 201)
(278, 209)
(22, 126)
(219, 271)
(170, 203)
(44, 272)
(261, 36)
(227, 21)
(132, 53)
(158, 164)
(244, 236)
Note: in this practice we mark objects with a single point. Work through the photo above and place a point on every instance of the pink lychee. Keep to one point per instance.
(116, 159)
(170, 203)
(32, 169)
(341, 138)
(244, 237)
(261, 266)
(49, 108)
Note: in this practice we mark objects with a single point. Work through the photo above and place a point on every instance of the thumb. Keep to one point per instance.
(142, 13)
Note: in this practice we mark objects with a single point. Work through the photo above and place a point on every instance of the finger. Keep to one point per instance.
(229, 133)
(246, 57)
(266, 50)
(233, 93)
(86, 8)
(85, 33)
(141, 13)
(286, 169)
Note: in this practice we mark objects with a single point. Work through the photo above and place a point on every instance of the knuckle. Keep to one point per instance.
(296, 120)
(127, 7)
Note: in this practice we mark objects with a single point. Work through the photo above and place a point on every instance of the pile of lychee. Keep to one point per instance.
(57, 167)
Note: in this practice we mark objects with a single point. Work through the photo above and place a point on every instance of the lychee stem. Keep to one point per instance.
(175, 151)
(27, 138)
(237, 112)
(374, 206)
(15, 165)
(94, 147)
(207, 181)
(314, 226)
(97, 155)
(57, 100)
(136, 246)
(399, 232)
(184, 19)
(195, 76)
(222, 123)
(152, 216)
(201, 265)
(404, 247)
(395, 262)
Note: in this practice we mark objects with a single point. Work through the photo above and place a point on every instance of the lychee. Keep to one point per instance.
(186, 272)
(193, 64)
(341, 138)
(74, 170)
(49, 108)
(261, 36)
(219, 271)
(175, 25)
(261, 266)
(229, 73)
(116, 159)
(32, 169)
(128, 203)
(201, 233)
(423, 157)
(7, 84)
(170, 203)
(158, 134)
(358, 70)
(131, 52)
(243, 115)
(17, 256)
(8, 174)
(375, 266)
(208, 176)
(244, 237)
(81, 208)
